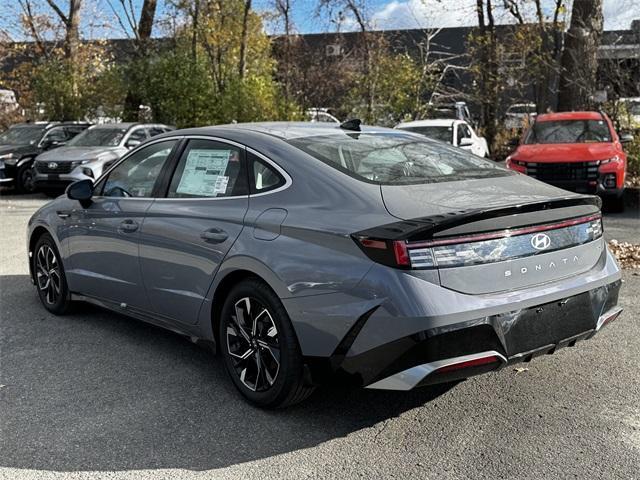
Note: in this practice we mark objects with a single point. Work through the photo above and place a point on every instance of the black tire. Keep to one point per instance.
(49, 276)
(257, 351)
(24, 179)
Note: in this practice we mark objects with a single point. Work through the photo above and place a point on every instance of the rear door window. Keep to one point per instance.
(209, 169)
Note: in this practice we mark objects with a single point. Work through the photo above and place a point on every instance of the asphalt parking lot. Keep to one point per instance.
(96, 395)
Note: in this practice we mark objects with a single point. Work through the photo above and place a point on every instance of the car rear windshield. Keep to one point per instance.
(569, 131)
(397, 158)
(99, 137)
(444, 133)
(21, 135)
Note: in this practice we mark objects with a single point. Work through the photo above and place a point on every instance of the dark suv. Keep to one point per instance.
(22, 143)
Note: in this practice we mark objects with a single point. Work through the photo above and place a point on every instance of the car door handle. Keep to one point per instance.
(214, 235)
(128, 226)
(63, 213)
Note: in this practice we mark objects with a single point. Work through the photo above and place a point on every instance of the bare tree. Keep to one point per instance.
(369, 42)
(283, 9)
(579, 59)
(140, 29)
(71, 22)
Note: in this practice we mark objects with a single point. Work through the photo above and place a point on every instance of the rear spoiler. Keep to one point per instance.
(425, 228)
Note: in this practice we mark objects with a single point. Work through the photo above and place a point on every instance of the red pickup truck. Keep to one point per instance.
(577, 151)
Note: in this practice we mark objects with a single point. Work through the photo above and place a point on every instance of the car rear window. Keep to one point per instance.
(99, 137)
(569, 131)
(397, 158)
(444, 133)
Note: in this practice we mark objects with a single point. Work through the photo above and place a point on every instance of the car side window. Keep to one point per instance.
(56, 135)
(209, 169)
(138, 135)
(72, 131)
(464, 131)
(264, 177)
(137, 174)
(153, 131)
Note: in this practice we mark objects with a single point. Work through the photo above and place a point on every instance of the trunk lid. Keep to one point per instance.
(492, 235)
(415, 201)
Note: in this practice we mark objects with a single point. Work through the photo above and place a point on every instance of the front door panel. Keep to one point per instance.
(103, 247)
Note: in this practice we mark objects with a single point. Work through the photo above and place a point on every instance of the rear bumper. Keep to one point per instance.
(408, 328)
(474, 350)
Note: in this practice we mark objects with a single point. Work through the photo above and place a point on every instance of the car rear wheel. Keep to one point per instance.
(260, 348)
(24, 179)
(49, 276)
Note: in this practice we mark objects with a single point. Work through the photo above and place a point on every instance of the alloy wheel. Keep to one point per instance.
(252, 343)
(48, 274)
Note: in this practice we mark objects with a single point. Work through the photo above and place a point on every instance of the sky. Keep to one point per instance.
(381, 14)
(392, 14)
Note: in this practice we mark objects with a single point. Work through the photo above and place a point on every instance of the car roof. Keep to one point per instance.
(435, 122)
(126, 125)
(547, 117)
(282, 130)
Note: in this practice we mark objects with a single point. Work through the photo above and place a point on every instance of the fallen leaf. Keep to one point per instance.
(628, 254)
(520, 370)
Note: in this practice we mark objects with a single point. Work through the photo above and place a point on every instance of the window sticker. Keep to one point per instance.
(203, 173)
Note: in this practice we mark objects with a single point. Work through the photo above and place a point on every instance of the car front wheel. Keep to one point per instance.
(49, 276)
(260, 348)
(24, 179)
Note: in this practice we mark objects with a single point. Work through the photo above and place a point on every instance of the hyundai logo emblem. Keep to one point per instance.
(52, 165)
(540, 241)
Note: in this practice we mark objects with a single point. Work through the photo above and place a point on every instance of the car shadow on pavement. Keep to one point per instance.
(95, 390)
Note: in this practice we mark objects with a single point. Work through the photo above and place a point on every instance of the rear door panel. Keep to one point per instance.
(178, 262)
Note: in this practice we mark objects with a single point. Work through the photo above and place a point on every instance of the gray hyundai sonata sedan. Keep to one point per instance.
(306, 253)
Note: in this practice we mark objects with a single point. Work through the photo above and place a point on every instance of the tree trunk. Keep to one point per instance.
(71, 23)
(134, 96)
(579, 59)
(242, 64)
(488, 81)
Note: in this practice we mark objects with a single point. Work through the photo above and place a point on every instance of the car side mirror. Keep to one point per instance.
(132, 143)
(465, 142)
(82, 190)
(626, 138)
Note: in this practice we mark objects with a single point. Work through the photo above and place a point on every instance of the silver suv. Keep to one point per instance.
(88, 154)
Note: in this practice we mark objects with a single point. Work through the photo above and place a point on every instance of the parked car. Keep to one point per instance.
(302, 251)
(452, 110)
(87, 155)
(578, 151)
(455, 132)
(631, 117)
(322, 115)
(21, 143)
(517, 114)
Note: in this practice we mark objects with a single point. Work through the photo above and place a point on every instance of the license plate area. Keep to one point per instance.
(547, 324)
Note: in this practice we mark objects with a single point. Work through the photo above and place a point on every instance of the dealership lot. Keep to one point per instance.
(97, 395)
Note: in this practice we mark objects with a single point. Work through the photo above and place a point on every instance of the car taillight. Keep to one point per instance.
(480, 248)
(392, 253)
